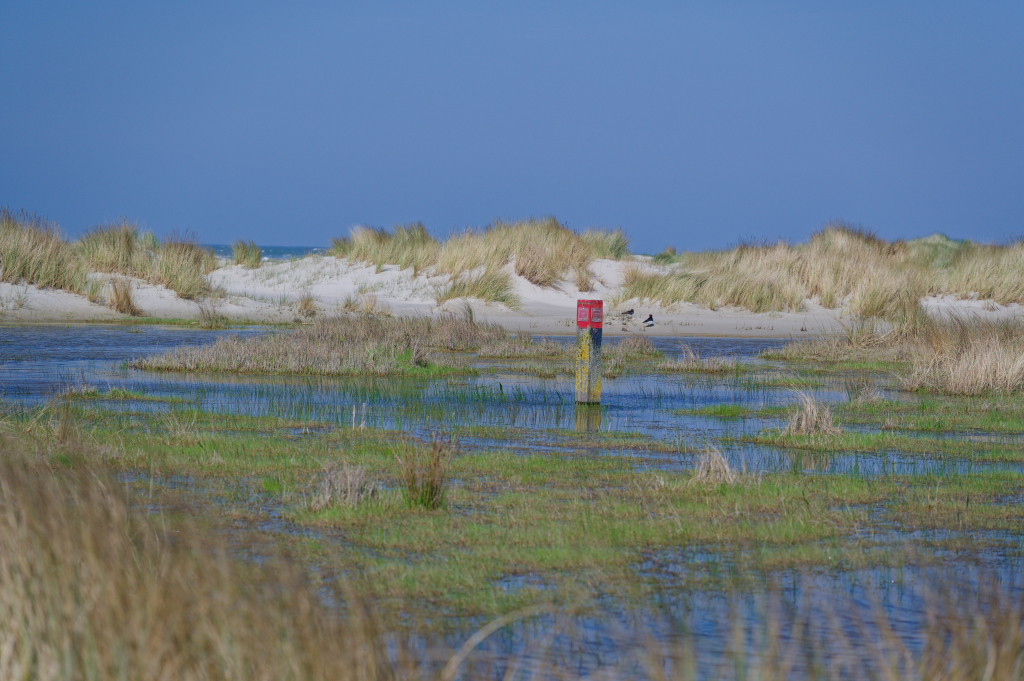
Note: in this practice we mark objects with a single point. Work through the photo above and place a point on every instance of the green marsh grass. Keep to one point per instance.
(966, 450)
(721, 411)
(939, 414)
(576, 524)
(96, 589)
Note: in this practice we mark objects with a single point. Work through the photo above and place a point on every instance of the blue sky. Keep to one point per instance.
(691, 124)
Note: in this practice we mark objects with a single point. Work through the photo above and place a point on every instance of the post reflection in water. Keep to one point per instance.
(588, 418)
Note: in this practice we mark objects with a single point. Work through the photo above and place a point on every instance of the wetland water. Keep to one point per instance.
(510, 410)
(500, 408)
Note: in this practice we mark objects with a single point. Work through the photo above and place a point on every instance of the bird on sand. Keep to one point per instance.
(627, 313)
(650, 319)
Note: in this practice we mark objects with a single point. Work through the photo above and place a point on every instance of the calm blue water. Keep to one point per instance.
(271, 252)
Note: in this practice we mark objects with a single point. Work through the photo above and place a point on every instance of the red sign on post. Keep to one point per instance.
(589, 313)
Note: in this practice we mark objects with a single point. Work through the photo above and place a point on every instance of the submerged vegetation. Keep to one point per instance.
(376, 345)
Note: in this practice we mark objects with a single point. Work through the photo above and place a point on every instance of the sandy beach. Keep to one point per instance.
(271, 294)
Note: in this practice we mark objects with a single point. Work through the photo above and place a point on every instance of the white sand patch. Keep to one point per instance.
(969, 306)
(26, 303)
(272, 293)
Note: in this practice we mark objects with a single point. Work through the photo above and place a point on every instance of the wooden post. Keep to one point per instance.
(589, 318)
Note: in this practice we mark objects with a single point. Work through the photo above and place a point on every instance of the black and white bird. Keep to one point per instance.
(627, 313)
(650, 319)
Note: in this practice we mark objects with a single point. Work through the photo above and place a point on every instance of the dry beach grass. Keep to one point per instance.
(34, 251)
(540, 251)
(952, 354)
(91, 589)
(838, 266)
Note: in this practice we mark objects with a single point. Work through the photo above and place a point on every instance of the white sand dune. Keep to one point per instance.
(272, 292)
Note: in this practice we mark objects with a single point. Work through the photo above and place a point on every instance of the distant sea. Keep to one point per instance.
(270, 252)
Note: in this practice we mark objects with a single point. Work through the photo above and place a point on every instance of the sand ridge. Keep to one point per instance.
(272, 293)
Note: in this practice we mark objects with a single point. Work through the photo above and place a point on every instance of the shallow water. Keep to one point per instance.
(38, 362)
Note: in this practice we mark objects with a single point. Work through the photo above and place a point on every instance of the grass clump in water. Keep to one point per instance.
(634, 347)
(338, 346)
(342, 485)
(952, 355)
(713, 469)
(963, 356)
(690, 361)
(811, 418)
(426, 471)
